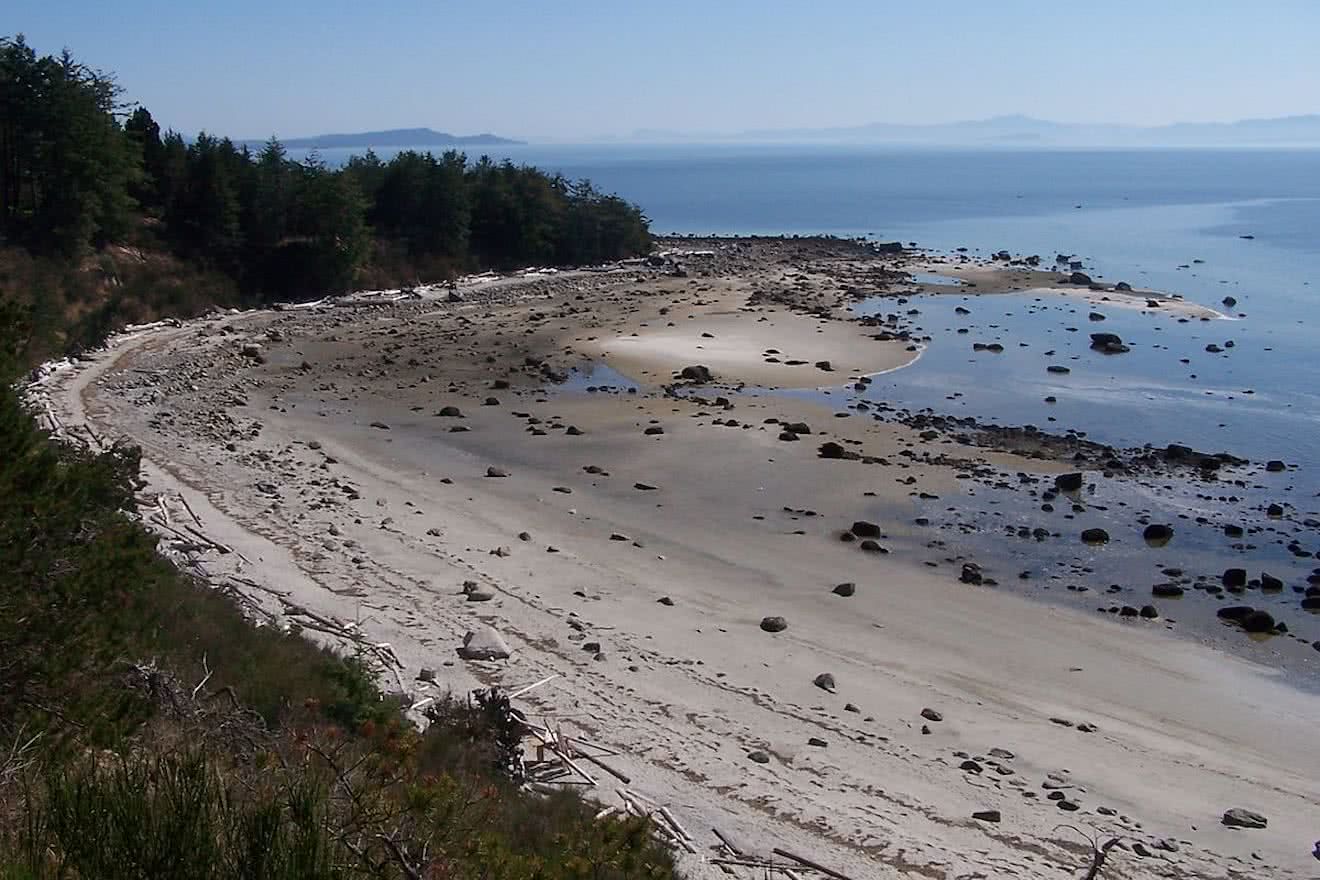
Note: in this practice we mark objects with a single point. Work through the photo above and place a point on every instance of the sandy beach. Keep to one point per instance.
(364, 458)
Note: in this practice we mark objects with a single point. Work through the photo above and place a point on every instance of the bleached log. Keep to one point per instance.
(815, 866)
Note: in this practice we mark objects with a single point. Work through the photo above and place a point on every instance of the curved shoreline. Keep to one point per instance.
(687, 690)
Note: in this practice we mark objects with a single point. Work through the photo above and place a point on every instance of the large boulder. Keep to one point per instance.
(1079, 278)
(484, 643)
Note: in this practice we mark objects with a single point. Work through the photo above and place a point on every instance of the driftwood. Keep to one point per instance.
(815, 866)
(1099, 851)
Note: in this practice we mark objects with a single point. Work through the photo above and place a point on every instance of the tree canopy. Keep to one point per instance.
(80, 168)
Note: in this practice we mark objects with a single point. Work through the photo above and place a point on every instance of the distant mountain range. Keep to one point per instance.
(1027, 131)
(394, 137)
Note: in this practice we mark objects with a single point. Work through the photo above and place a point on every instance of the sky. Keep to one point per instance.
(581, 69)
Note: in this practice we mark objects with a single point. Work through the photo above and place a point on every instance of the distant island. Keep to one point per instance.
(394, 137)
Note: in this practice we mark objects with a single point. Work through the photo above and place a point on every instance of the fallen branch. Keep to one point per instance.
(815, 866)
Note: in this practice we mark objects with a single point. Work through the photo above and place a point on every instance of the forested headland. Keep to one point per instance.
(107, 218)
(147, 727)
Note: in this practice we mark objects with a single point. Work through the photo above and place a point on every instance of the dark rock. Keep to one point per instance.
(451, 412)
(653, 430)
(1149, 612)
(1235, 613)
(1234, 578)
(1166, 591)
(774, 624)
(697, 374)
(845, 589)
(1123, 286)
(1157, 534)
(817, 742)
(986, 815)
(864, 529)
(931, 715)
(1240, 818)
(1274, 466)
(1055, 368)
(971, 574)
(830, 449)
(1079, 278)
(1258, 622)
(1095, 536)
(824, 681)
(1068, 482)
(970, 766)
(759, 757)
(496, 472)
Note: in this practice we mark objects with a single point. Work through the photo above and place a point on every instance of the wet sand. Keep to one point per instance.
(311, 443)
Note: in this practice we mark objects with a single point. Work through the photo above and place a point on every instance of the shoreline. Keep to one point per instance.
(688, 690)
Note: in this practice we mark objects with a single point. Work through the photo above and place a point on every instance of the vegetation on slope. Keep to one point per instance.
(105, 218)
(147, 729)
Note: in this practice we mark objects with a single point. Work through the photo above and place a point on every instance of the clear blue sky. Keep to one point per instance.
(570, 69)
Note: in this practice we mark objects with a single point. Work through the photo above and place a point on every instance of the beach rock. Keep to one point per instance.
(480, 595)
(774, 624)
(697, 374)
(1055, 368)
(451, 412)
(830, 449)
(931, 715)
(1100, 340)
(824, 681)
(1274, 466)
(817, 742)
(1157, 534)
(1240, 818)
(1123, 287)
(797, 427)
(864, 529)
(986, 815)
(871, 546)
(381, 425)
(825, 366)
(425, 674)
(1234, 613)
(1269, 583)
(1258, 622)
(1079, 278)
(484, 643)
(1166, 591)
(788, 436)
(1068, 482)
(759, 757)
(1095, 536)
(653, 430)
(845, 589)
(1149, 612)
(971, 574)
(971, 766)
(1234, 578)
(496, 472)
